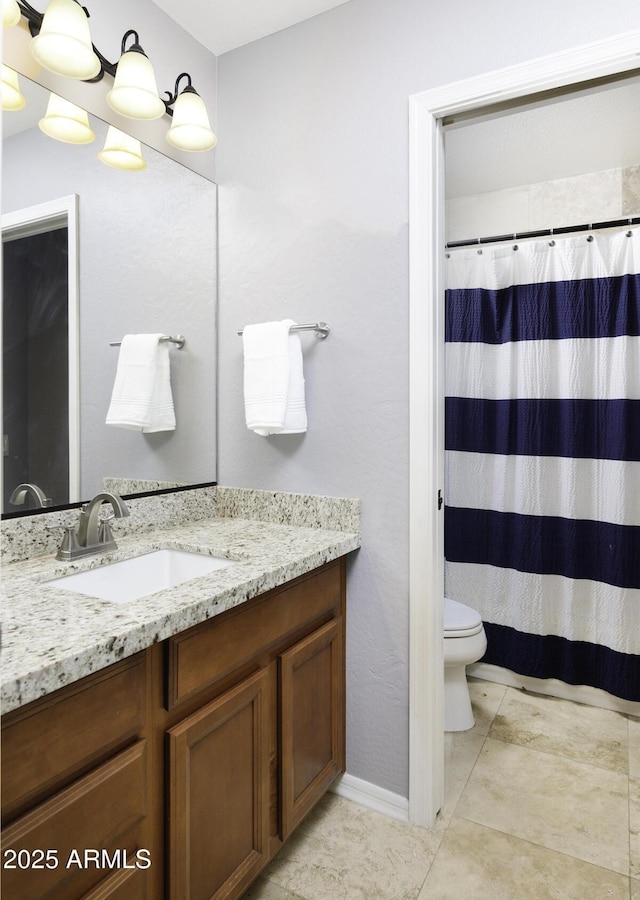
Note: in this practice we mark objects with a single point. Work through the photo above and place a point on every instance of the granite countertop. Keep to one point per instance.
(52, 637)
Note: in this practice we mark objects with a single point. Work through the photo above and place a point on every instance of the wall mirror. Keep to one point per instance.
(146, 262)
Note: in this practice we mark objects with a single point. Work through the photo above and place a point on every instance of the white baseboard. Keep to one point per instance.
(372, 796)
(579, 693)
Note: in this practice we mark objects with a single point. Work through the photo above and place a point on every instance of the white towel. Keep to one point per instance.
(141, 398)
(274, 399)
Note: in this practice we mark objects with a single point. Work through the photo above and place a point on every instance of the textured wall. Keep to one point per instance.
(312, 168)
(596, 197)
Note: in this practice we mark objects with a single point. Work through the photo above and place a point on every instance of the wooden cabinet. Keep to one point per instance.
(181, 771)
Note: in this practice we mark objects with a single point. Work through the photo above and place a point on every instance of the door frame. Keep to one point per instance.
(427, 110)
(47, 216)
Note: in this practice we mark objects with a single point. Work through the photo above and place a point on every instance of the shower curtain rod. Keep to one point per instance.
(546, 232)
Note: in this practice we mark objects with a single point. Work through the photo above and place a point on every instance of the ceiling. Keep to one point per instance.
(222, 25)
(587, 131)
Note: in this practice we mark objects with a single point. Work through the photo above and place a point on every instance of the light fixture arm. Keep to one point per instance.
(33, 17)
(176, 93)
(135, 47)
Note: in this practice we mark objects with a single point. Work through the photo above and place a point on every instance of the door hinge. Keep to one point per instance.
(440, 499)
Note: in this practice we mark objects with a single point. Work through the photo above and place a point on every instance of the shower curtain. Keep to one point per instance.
(542, 424)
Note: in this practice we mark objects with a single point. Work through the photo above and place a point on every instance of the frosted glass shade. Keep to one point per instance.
(64, 44)
(10, 13)
(121, 151)
(66, 122)
(190, 129)
(135, 92)
(12, 99)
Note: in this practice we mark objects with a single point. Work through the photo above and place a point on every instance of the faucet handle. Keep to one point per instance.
(105, 535)
(69, 547)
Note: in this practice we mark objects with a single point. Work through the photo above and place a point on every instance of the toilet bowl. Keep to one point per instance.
(465, 642)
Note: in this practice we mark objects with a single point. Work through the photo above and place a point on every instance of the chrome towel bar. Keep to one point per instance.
(321, 329)
(179, 340)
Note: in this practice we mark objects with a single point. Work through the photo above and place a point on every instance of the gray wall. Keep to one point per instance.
(312, 167)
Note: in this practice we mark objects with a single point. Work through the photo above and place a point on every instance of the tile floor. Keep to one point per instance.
(542, 801)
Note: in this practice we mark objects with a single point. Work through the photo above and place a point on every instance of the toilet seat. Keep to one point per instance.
(459, 620)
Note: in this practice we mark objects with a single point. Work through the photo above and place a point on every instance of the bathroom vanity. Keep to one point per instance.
(178, 769)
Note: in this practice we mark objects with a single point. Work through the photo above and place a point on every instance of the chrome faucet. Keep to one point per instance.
(93, 534)
(20, 493)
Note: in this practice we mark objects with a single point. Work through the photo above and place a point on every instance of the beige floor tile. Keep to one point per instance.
(571, 807)
(634, 746)
(352, 852)
(486, 697)
(634, 826)
(461, 751)
(477, 862)
(635, 889)
(263, 889)
(587, 734)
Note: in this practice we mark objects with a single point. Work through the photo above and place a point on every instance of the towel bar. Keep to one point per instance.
(179, 340)
(320, 328)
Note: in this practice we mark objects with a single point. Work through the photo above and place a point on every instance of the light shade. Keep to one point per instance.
(121, 151)
(10, 13)
(66, 122)
(12, 99)
(64, 44)
(190, 129)
(135, 92)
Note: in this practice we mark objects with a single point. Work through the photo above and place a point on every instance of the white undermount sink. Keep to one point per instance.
(130, 579)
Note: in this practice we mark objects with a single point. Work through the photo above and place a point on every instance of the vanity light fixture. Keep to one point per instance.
(135, 93)
(121, 151)
(10, 13)
(66, 122)
(190, 129)
(63, 44)
(12, 99)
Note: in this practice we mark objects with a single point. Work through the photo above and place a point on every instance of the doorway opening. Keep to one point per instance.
(428, 112)
(40, 424)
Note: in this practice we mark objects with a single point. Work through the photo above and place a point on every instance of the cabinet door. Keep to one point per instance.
(219, 793)
(312, 750)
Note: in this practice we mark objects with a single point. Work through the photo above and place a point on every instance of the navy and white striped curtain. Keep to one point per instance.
(542, 490)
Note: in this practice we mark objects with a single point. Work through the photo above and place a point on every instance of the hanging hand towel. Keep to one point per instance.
(141, 398)
(274, 399)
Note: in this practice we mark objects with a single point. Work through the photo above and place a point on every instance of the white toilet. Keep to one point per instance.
(464, 643)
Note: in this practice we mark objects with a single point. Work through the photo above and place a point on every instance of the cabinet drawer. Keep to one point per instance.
(206, 653)
(52, 741)
(99, 812)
